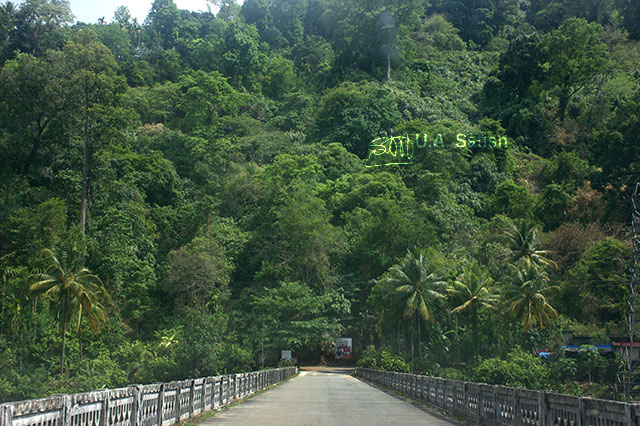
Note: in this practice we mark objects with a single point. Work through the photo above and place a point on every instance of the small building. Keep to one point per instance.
(622, 349)
(573, 345)
(570, 339)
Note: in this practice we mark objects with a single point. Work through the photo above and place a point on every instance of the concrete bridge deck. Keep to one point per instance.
(328, 396)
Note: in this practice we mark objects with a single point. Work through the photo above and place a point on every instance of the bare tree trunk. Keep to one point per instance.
(85, 168)
(476, 335)
(398, 323)
(412, 336)
(388, 65)
(80, 332)
(64, 338)
(419, 340)
(262, 348)
(4, 289)
(21, 346)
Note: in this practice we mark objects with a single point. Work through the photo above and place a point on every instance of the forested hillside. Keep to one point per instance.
(189, 195)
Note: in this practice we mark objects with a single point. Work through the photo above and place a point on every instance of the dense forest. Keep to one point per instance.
(190, 195)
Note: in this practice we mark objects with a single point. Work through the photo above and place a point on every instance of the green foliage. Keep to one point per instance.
(296, 317)
(206, 97)
(198, 275)
(573, 55)
(513, 200)
(598, 281)
(528, 299)
(369, 358)
(392, 362)
(553, 205)
(520, 369)
(355, 114)
(215, 166)
(72, 287)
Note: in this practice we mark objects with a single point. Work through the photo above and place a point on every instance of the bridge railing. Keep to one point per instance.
(494, 405)
(158, 404)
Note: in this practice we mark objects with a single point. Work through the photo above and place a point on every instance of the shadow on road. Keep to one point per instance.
(330, 370)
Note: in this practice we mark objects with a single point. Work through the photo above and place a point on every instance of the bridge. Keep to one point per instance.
(326, 397)
(319, 397)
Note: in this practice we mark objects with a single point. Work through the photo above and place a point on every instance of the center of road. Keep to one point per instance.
(326, 397)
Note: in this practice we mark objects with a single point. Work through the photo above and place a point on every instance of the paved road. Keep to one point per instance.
(326, 397)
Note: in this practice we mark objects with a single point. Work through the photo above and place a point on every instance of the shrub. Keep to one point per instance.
(519, 370)
(392, 362)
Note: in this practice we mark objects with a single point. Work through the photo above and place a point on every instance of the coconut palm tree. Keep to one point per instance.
(524, 246)
(72, 288)
(477, 291)
(415, 288)
(526, 297)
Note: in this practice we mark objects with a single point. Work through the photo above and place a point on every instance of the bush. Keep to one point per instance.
(392, 362)
(451, 373)
(563, 370)
(369, 359)
(519, 370)
(367, 362)
(287, 363)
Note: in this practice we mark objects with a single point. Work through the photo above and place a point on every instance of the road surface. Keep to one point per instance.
(326, 397)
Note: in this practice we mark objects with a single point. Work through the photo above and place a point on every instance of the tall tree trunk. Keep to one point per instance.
(595, 99)
(474, 332)
(4, 289)
(35, 146)
(419, 340)
(563, 103)
(398, 333)
(21, 347)
(412, 336)
(35, 38)
(80, 331)
(389, 65)
(64, 341)
(85, 167)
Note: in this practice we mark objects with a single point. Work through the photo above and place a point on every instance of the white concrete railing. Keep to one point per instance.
(494, 405)
(158, 404)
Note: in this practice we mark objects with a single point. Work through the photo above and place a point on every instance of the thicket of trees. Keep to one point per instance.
(187, 196)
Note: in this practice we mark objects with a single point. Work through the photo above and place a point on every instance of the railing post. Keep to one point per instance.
(495, 405)
(214, 393)
(203, 397)
(136, 409)
(66, 411)
(227, 392)
(581, 416)
(192, 391)
(6, 415)
(104, 421)
(628, 414)
(464, 400)
(516, 408)
(160, 405)
(444, 393)
(178, 402)
(235, 388)
(542, 407)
